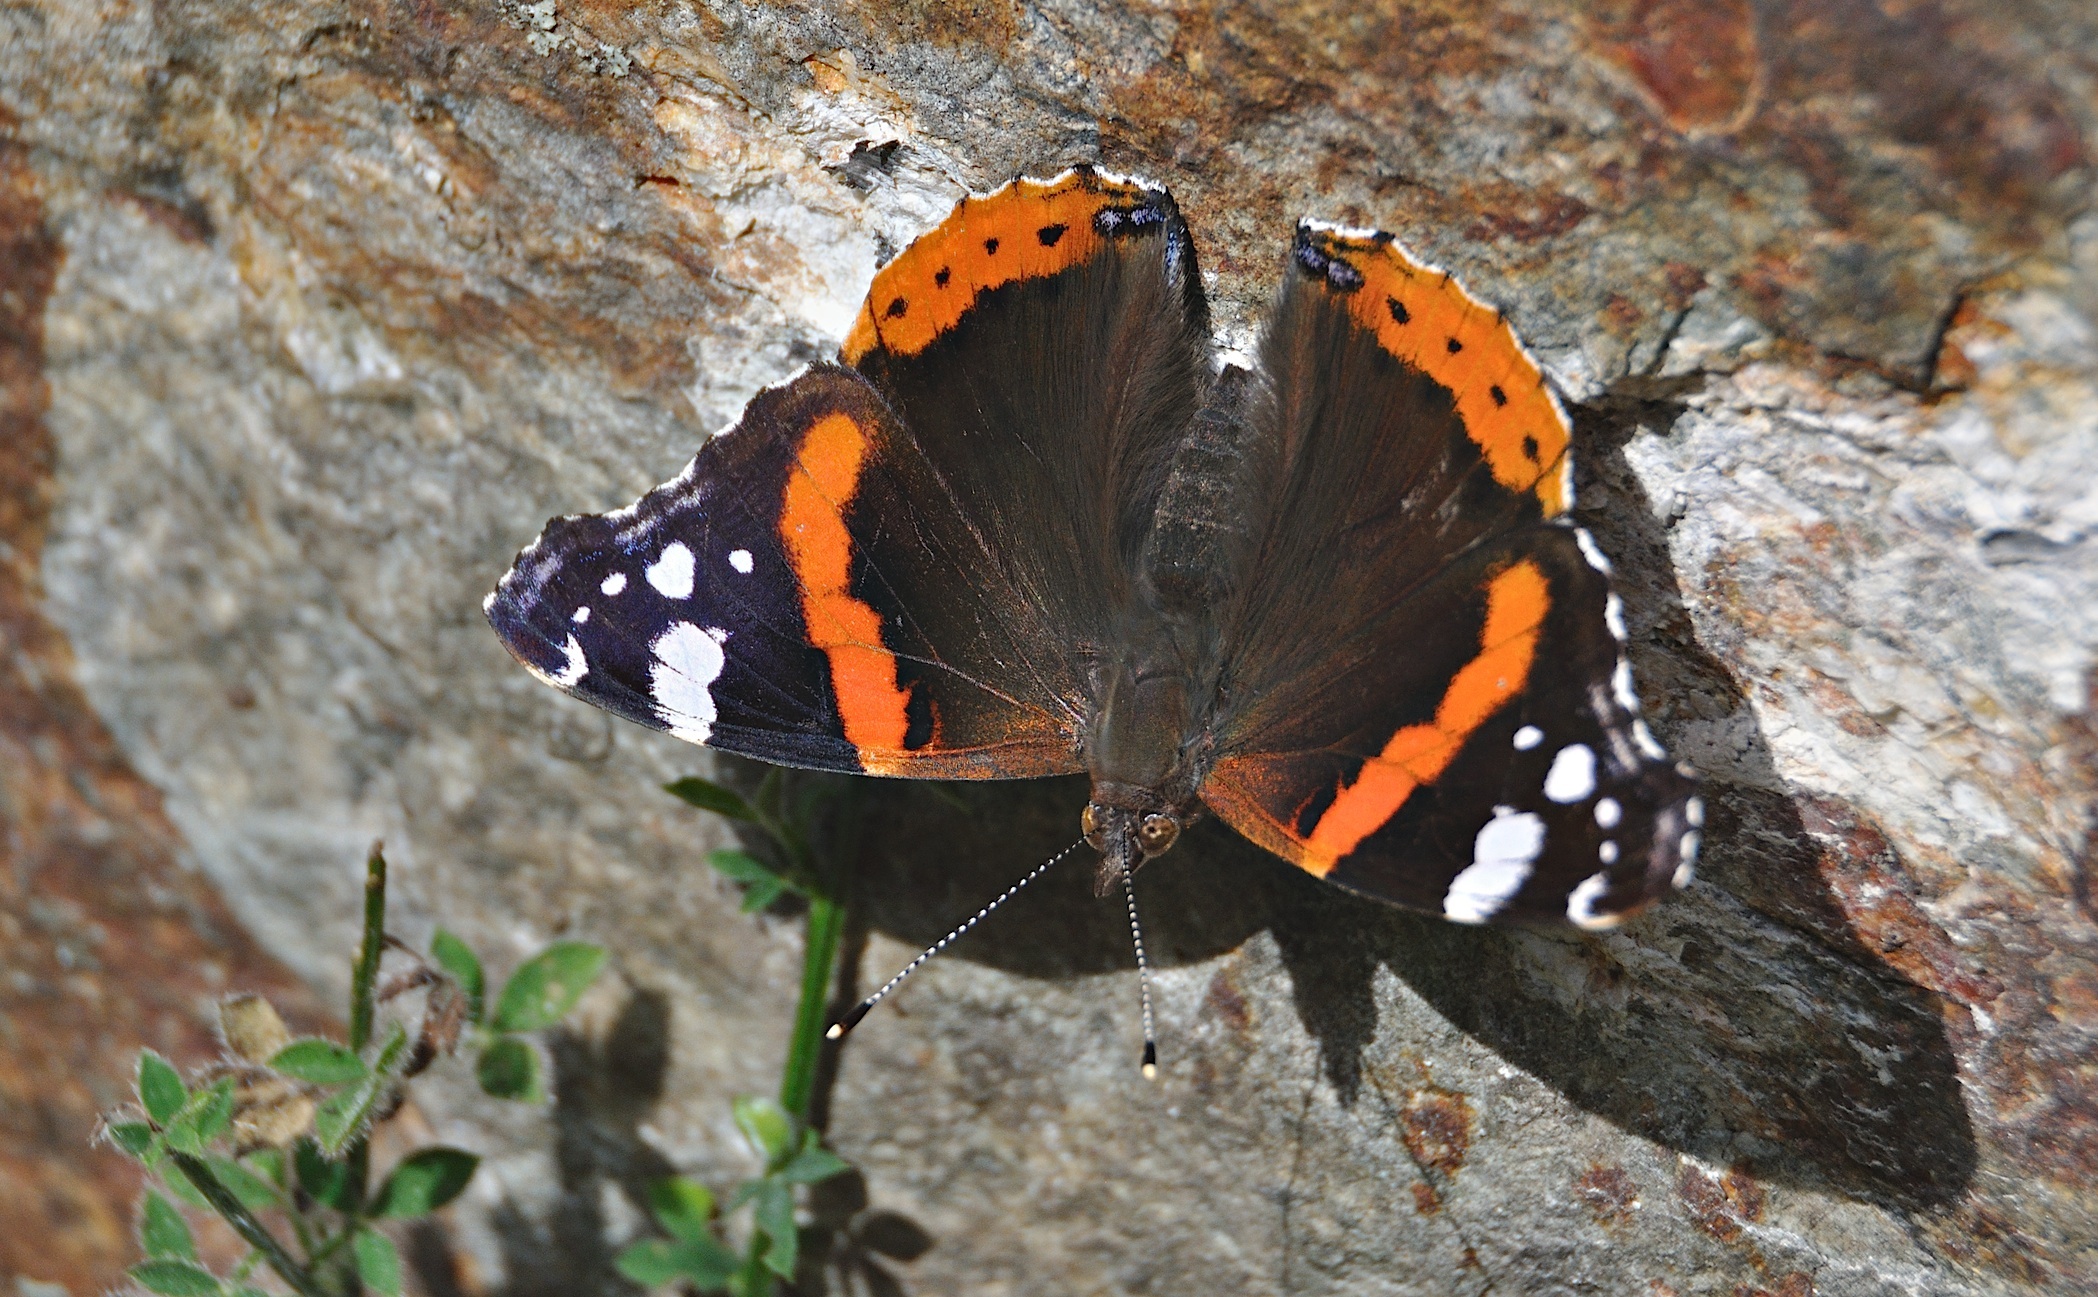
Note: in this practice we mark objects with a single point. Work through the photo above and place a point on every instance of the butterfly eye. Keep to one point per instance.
(1089, 825)
(1157, 833)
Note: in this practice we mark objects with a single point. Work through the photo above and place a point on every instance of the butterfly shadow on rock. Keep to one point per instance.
(1745, 1022)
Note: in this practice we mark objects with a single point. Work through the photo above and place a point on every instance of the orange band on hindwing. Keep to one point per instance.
(1516, 603)
(1424, 317)
(820, 487)
(1028, 230)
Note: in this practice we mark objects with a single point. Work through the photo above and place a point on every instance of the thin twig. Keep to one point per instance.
(244, 1224)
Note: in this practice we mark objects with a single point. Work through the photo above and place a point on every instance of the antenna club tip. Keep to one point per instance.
(836, 1032)
(1150, 1060)
(1150, 1071)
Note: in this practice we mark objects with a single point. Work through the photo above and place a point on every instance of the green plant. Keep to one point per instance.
(282, 1131)
(789, 812)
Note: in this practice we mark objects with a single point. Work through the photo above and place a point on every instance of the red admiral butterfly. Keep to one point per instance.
(1030, 526)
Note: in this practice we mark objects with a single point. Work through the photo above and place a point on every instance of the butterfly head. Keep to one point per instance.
(1125, 839)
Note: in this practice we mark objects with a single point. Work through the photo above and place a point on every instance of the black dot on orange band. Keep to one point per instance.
(897, 306)
(941, 276)
(1530, 449)
(1398, 310)
(991, 246)
(1454, 346)
(1499, 397)
(1049, 234)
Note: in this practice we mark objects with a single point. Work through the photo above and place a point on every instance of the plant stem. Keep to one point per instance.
(244, 1224)
(798, 1081)
(363, 990)
(365, 977)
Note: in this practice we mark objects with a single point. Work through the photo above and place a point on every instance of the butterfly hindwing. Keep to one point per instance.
(1492, 766)
(1425, 696)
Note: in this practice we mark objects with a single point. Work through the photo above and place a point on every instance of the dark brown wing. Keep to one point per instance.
(1425, 696)
(902, 568)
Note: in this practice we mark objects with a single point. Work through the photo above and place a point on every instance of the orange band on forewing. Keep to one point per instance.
(1516, 602)
(820, 486)
(1500, 392)
(1027, 230)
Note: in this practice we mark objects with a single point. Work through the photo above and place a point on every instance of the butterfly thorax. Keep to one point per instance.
(1145, 754)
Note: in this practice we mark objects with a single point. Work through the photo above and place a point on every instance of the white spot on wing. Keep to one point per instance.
(577, 668)
(1648, 744)
(1502, 855)
(1607, 852)
(579, 616)
(739, 559)
(1694, 811)
(1590, 552)
(1572, 776)
(688, 662)
(1529, 736)
(1687, 847)
(671, 574)
(1580, 904)
(1613, 616)
(1608, 812)
(1621, 685)
(614, 583)
(1685, 874)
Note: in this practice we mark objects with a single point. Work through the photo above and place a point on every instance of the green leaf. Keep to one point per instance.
(707, 1262)
(424, 1181)
(752, 1280)
(455, 957)
(343, 1115)
(649, 1263)
(766, 1125)
(377, 1263)
(178, 1184)
(318, 1062)
(710, 796)
(268, 1165)
(760, 895)
(160, 1088)
(509, 1069)
(766, 885)
(542, 992)
(682, 1207)
(254, 1193)
(742, 866)
(163, 1233)
(203, 1119)
(775, 1216)
(326, 1182)
(654, 1262)
(813, 1164)
(174, 1279)
(133, 1137)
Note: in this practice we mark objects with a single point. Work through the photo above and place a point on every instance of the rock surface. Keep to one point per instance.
(348, 299)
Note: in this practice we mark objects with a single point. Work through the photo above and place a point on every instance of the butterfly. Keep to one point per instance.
(1031, 523)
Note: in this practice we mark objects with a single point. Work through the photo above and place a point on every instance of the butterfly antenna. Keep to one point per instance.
(849, 1021)
(1143, 979)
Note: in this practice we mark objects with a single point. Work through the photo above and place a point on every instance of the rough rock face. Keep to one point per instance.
(348, 299)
